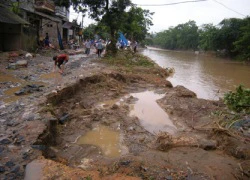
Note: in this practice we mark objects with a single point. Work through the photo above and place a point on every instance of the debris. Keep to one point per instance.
(64, 118)
(22, 63)
(28, 55)
(29, 89)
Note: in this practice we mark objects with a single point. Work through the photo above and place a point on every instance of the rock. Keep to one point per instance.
(64, 118)
(169, 178)
(2, 120)
(22, 63)
(10, 164)
(2, 169)
(15, 169)
(39, 147)
(208, 144)
(19, 139)
(29, 89)
(242, 123)
(85, 105)
(5, 141)
(11, 66)
(181, 91)
(168, 84)
(125, 163)
(115, 106)
(34, 170)
(25, 155)
(12, 124)
(1, 149)
(28, 116)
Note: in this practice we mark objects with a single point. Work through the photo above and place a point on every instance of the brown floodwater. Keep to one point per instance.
(209, 77)
(151, 116)
(107, 139)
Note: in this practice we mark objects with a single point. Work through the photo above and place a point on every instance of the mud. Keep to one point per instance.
(62, 129)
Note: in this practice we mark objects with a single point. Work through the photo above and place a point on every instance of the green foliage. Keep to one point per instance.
(242, 44)
(128, 59)
(232, 37)
(137, 24)
(114, 16)
(207, 37)
(238, 101)
(184, 36)
(14, 7)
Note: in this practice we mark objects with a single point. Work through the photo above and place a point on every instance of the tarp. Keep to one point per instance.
(122, 38)
(59, 38)
(7, 16)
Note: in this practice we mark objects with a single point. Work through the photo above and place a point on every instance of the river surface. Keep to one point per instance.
(209, 77)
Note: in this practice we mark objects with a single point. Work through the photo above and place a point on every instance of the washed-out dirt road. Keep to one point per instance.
(111, 118)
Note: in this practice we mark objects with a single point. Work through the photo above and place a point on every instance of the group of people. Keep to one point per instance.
(128, 45)
(100, 45)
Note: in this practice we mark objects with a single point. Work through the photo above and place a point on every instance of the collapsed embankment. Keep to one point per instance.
(77, 119)
(105, 99)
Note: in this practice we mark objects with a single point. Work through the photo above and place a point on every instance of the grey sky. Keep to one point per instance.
(204, 12)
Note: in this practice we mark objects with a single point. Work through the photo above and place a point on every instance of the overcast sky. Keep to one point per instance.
(210, 11)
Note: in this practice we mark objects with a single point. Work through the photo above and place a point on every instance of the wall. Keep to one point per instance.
(50, 27)
(10, 37)
(29, 39)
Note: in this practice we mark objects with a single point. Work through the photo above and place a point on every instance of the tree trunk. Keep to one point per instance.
(111, 48)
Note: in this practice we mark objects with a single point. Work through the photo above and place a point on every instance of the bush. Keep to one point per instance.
(238, 101)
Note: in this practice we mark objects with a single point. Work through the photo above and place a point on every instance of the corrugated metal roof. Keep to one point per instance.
(67, 25)
(7, 16)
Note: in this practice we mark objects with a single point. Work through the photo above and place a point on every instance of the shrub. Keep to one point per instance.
(238, 101)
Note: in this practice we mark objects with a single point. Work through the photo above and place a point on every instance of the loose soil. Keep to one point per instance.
(44, 128)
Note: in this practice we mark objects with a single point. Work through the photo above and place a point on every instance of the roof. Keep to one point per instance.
(67, 25)
(7, 16)
(48, 16)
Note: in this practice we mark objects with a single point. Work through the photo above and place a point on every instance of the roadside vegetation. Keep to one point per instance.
(229, 38)
(237, 116)
(128, 58)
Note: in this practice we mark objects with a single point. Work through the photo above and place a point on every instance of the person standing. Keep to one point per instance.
(135, 47)
(99, 47)
(46, 40)
(87, 45)
(60, 60)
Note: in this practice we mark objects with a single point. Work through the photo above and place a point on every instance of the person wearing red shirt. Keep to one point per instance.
(60, 60)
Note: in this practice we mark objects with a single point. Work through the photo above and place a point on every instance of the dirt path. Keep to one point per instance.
(69, 120)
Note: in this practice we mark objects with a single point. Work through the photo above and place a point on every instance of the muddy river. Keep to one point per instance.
(209, 77)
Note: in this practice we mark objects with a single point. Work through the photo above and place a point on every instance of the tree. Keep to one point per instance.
(183, 36)
(242, 44)
(207, 35)
(137, 24)
(229, 33)
(108, 13)
(114, 16)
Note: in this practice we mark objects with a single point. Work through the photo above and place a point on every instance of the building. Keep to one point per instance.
(40, 17)
(11, 30)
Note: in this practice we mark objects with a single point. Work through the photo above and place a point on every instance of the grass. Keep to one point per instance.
(127, 58)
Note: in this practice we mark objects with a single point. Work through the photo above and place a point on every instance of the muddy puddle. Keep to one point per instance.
(152, 117)
(10, 85)
(108, 140)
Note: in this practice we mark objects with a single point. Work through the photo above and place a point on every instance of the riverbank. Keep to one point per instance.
(95, 98)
